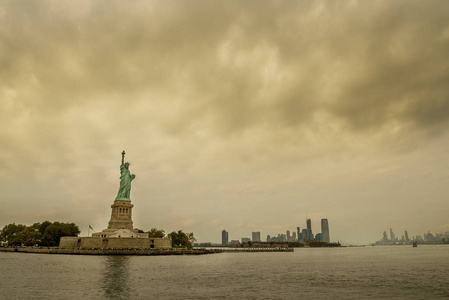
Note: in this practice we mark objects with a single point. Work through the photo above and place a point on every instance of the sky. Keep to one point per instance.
(237, 115)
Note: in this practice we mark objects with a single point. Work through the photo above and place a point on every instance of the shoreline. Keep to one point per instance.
(140, 252)
(247, 250)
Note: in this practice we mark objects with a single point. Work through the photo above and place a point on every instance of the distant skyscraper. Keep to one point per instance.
(294, 239)
(298, 232)
(256, 236)
(282, 237)
(224, 238)
(406, 236)
(288, 235)
(304, 235)
(393, 238)
(245, 240)
(429, 237)
(385, 237)
(325, 236)
(309, 230)
(268, 238)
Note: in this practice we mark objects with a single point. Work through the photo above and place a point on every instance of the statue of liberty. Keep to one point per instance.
(125, 180)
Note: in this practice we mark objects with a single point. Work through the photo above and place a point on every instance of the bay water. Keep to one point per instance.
(381, 272)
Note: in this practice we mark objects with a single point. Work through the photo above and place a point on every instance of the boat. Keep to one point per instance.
(415, 244)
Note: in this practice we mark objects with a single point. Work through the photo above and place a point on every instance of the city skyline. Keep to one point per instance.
(324, 236)
(288, 236)
(426, 238)
(240, 115)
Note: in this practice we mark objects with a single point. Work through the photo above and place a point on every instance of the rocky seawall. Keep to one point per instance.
(109, 251)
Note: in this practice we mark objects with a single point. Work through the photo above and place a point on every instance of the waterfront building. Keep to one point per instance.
(294, 239)
(288, 235)
(278, 238)
(319, 237)
(393, 237)
(429, 237)
(406, 236)
(385, 238)
(309, 230)
(325, 231)
(224, 237)
(256, 236)
(300, 238)
(298, 233)
(304, 235)
(245, 240)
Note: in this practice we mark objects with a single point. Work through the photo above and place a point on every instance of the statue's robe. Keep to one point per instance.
(125, 183)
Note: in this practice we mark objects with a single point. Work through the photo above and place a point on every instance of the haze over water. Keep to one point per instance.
(400, 272)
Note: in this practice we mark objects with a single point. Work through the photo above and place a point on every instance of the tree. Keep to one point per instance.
(30, 236)
(45, 234)
(156, 233)
(55, 231)
(10, 234)
(41, 226)
(182, 239)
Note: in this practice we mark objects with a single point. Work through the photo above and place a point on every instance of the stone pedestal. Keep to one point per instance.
(121, 215)
(121, 223)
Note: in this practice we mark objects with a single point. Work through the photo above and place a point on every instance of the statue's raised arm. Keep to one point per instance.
(125, 180)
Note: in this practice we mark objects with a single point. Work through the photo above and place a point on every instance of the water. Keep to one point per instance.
(401, 272)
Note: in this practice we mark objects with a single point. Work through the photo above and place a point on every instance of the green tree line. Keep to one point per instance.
(45, 234)
(179, 239)
(48, 234)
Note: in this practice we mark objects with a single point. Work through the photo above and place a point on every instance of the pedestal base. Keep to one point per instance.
(121, 215)
(120, 233)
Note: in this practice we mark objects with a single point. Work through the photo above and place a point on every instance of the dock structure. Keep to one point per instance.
(245, 250)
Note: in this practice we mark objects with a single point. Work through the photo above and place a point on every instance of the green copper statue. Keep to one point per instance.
(125, 180)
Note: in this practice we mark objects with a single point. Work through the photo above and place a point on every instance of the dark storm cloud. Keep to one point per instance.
(366, 63)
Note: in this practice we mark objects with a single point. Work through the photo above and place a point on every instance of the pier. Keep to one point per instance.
(245, 250)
